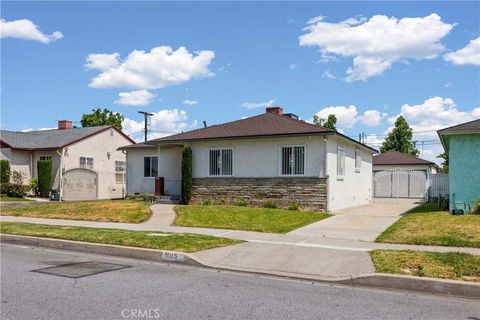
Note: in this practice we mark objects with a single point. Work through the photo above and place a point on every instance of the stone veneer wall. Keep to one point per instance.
(309, 193)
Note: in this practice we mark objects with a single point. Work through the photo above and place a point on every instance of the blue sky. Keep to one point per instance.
(240, 57)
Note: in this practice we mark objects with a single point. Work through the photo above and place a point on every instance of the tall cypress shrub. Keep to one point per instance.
(186, 175)
(44, 177)
(4, 171)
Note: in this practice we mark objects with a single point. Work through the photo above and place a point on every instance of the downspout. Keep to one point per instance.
(60, 191)
(325, 174)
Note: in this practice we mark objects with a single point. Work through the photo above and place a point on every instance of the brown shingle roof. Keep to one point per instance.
(472, 126)
(267, 124)
(395, 157)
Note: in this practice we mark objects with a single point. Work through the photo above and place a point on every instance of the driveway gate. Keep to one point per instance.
(400, 184)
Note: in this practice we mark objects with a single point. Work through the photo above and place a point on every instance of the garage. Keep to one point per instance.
(80, 184)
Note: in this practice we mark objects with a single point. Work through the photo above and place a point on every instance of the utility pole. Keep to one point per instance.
(147, 116)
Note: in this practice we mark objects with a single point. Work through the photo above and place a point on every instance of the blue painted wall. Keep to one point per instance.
(464, 169)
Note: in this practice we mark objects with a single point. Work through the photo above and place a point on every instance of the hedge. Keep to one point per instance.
(186, 175)
(4, 171)
(44, 177)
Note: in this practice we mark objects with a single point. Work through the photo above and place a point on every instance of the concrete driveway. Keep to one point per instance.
(361, 223)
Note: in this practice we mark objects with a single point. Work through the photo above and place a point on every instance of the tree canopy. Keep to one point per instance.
(329, 123)
(400, 139)
(100, 117)
(444, 156)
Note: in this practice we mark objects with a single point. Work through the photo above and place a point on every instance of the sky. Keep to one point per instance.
(189, 62)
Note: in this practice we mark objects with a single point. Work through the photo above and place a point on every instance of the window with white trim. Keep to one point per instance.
(150, 167)
(86, 162)
(46, 158)
(120, 166)
(292, 160)
(120, 178)
(220, 162)
(358, 160)
(340, 162)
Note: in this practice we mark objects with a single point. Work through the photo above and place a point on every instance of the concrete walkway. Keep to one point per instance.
(334, 247)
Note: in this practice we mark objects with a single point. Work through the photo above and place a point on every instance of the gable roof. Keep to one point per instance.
(398, 158)
(50, 139)
(263, 125)
(467, 127)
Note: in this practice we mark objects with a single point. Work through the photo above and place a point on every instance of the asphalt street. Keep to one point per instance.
(145, 290)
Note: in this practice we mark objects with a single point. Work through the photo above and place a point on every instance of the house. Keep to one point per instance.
(462, 144)
(400, 175)
(269, 157)
(85, 161)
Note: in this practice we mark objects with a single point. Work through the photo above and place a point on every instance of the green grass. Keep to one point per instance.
(245, 218)
(128, 211)
(427, 224)
(10, 199)
(184, 242)
(451, 265)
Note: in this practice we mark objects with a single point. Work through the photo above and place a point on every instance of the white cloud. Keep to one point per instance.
(375, 44)
(448, 85)
(434, 114)
(327, 74)
(346, 116)
(190, 102)
(254, 105)
(292, 66)
(39, 129)
(467, 55)
(26, 30)
(373, 118)
(160, 67)
(163, 123)
(135, 98)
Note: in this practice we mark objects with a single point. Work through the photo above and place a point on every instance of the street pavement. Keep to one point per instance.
(147, 290)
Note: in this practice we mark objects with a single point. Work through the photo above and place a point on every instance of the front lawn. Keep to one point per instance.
(184, 242)
(11, 199)
(450, 265)
(245, 218)
(427, 224)
(129, 211)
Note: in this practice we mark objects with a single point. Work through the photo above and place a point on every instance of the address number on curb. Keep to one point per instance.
(172, 256)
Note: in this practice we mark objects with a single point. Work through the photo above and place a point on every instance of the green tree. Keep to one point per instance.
(44, 169)
(186, 175)
(329, 123)
(100, 117)
(444, 156)
(4, 171)
(400, 139)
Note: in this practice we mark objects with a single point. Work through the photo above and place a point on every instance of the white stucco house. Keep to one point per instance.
(86, 162)
(269, 157)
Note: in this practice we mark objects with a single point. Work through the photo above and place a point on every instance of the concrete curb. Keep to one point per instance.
(379, 280)
(100, 248)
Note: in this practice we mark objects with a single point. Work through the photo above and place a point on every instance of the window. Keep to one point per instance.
(86, 162)
(120, 178)
(220, 162)
(358, 160)
(49, 158)
(292, 160)
(150, 167)
(340, 162)
(120, 166)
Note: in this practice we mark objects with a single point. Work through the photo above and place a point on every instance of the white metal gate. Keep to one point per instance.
(400, 184)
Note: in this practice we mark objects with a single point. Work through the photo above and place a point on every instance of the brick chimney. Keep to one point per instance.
(275, 110)
(64, 124)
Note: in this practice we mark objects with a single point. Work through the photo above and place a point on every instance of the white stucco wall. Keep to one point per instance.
(355, 188)
(19, 161)
(260, 157)
(97, 147)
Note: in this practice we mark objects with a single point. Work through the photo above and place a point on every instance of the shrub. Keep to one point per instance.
(44, 168)
(4, 171)
(17, 177)
(241, 203)
(476, 207)
(270, 204)
(186, 175)
(12, 190)
(34, 186)
(206, 202)
(293, 206)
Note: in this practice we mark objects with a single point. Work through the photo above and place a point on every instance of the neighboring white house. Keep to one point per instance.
(400, 175)
(86, 163)
(269, 157)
